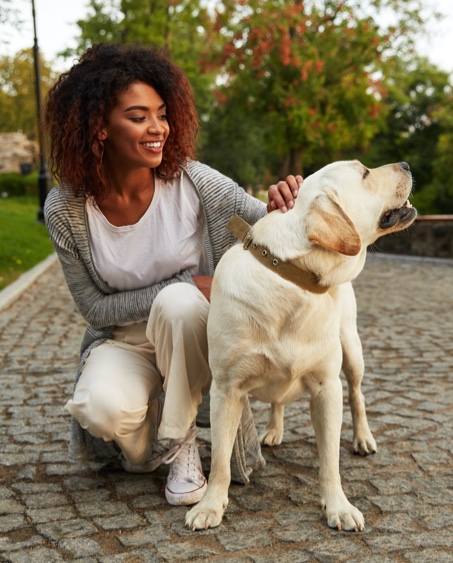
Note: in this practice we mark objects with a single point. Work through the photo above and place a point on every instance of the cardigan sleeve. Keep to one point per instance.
(101, 309)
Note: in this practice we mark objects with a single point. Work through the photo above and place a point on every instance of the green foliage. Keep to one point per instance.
(417, 130)
(23, 242)
(14, 184)
(309, 73)
(182, 27)
(17, 92)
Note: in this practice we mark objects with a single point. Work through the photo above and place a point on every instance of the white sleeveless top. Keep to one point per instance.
(168, 238)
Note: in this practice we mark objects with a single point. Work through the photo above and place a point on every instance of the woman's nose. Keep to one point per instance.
(154, 125)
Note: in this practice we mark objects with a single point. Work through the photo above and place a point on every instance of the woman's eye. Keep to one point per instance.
(138, 119)
(163, 117)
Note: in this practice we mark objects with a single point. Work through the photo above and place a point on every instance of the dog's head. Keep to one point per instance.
(350, 206)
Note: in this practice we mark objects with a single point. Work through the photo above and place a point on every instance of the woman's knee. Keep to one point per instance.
(181, 302)
(105, 415)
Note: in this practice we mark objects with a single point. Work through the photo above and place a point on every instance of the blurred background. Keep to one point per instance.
(281, 86)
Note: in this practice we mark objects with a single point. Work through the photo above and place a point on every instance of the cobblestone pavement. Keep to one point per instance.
(51, 510)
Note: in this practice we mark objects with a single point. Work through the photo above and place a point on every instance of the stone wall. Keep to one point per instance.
(430, 235)
(17, 150)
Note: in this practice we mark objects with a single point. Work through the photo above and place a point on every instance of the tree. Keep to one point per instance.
(182, 27)
(17, 93)
(311, 73)
(441, 187)
(417, 128)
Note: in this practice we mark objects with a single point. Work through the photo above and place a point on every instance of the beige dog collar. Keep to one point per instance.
(285, 269)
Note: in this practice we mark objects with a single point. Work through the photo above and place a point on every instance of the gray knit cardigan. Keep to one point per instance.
(104, 307)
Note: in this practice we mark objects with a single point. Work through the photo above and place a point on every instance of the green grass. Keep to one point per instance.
(23, 241)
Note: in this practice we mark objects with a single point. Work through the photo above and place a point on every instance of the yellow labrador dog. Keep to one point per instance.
(283, 321)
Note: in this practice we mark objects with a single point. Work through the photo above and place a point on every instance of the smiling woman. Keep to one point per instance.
(139, 227)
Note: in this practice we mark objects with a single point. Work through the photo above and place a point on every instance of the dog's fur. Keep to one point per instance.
(273, 340)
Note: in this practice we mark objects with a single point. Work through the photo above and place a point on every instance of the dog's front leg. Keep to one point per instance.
(326, 411)
(226, 411)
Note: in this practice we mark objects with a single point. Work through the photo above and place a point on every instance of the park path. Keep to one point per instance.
(51, 510)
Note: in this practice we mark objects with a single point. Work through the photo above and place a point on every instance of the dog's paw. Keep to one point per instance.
(202, 518)
(271, 437)
(348, 518)
(364, 444)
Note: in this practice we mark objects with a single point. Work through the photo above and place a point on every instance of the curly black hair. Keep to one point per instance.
(78, 104)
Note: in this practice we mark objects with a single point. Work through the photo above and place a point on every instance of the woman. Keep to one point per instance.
(139, 227)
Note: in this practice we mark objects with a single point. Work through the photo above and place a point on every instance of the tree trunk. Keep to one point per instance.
(297, 161)
(292, 163)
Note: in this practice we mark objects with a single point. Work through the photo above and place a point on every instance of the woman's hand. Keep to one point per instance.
(283, 194)
(204, 285)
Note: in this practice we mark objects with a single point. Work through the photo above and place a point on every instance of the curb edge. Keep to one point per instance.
(13, 291)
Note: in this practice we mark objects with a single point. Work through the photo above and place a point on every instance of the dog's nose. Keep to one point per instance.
(405, 166)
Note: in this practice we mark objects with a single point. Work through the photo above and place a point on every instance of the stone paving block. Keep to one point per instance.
(424, 555)
(394, 523)
(434, 540)
(286, 556)
(11, 522)
(35, 555)
(45, 500)
(148, 501)
(141, 555)
(62, 469)
(28, 472)
(244, 540)
(440, 518)
(8, 544)
(79, 547)
(339, 549)
(144, 536)
(102, 508)
(10, 506)
(55, 531)
(392, 485)
(389, 543)
(297, 534)
(120, 522)
(40, 516)
(185, 551)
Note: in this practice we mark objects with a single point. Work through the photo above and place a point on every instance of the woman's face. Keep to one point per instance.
(136, 129)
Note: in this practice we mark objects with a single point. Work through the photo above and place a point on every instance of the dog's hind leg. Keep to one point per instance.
(273, 435)
(226, 411)
(353, 368)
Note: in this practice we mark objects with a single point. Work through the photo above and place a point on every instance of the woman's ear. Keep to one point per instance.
(102, 135)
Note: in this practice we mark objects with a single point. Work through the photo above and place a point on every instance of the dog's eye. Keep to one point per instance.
(365, 174)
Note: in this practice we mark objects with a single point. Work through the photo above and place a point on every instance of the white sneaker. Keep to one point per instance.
(186, 483)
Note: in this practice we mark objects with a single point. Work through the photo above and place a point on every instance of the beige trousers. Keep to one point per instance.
(116, 395)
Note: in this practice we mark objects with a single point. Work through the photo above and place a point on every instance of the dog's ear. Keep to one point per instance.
(329, 226)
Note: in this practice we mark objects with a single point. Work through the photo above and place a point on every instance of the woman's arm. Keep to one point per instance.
(100, 309)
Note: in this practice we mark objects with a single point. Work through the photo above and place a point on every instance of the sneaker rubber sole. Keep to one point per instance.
(185, 499)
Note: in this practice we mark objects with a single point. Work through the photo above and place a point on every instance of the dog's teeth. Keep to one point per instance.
(408, 204)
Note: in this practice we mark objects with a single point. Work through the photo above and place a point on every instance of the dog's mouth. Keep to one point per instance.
(401, 217)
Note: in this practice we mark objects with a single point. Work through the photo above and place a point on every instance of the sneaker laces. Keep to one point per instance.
(185, 461)
(177, 445)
